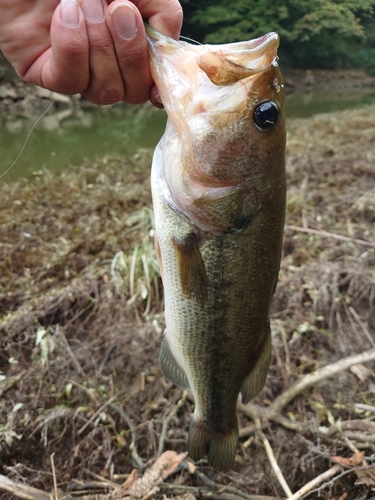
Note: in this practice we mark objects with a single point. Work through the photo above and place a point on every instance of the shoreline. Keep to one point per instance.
(21, 99)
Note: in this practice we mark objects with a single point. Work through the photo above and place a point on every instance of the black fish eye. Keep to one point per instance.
(266, 115)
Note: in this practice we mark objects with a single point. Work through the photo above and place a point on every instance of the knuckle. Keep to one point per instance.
(102, 45)
(134, 57)
(138, 98)
(105, 95)
(75, 49)
(66, 85)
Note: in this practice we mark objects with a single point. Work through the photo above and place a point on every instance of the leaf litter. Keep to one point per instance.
(85, 410)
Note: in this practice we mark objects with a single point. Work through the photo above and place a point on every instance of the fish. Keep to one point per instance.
(219, 193)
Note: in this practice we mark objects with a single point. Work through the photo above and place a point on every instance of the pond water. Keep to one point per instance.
(71, 135)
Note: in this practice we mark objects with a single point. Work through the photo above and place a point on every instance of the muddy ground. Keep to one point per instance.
(84, 408)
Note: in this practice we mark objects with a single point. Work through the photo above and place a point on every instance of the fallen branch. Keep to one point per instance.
(323, 373)
(222, 487)
(273, 461)
(316, 482)
(54, 476)
(22, 490)
(362, 325)
(167, 419)
(364, 407)
(9, 382)
(133, 447)
(273, 412)
(221, 493)
(334, 236)
(349, 425)
(98, 412)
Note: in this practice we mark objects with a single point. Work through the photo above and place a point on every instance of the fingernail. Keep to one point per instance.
(158, 99)
(93, 10)
(124, 21)
(69, 13)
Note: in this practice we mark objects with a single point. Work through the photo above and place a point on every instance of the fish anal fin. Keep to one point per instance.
(170, 368)
(220, 448)
(255, 380)
(191, 267)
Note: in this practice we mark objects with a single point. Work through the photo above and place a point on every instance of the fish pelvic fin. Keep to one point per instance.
(255, 380)
(191, 267)
(170, 368)
(220, 448)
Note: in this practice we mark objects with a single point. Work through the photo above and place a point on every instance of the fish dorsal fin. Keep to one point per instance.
(220, 70)
(170, 368)
(255, 380)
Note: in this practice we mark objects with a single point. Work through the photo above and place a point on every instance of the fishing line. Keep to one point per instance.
(28, 137)
(190, 39)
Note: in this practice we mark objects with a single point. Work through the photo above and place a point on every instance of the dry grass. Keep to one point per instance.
(81, 319)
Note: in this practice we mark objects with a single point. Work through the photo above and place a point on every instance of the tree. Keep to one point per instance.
(314, 33)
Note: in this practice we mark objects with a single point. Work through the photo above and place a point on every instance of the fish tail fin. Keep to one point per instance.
(220, 448)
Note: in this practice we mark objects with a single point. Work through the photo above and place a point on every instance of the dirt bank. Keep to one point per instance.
(83, 400)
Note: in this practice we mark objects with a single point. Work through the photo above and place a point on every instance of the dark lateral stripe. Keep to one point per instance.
(191, 266)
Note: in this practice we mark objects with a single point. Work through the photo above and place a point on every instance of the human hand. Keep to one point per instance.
(97, 48)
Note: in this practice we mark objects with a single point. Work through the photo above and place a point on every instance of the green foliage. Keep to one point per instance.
(314, 33)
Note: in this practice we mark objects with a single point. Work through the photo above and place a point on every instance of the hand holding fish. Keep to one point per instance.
(93, 47)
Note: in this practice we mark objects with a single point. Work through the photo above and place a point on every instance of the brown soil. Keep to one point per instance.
(81, 321)
(324, 79)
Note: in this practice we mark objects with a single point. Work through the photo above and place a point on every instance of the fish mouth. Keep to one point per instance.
(224, 64)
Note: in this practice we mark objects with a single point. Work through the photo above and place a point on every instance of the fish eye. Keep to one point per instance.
(266, 115)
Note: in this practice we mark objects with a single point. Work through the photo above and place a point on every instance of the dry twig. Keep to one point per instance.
(107, 403)
(167, 419)
(22, 490)
(222, 488)
(361, 324)
(326, 234)
(323, 373)
(273, 411)
(133, 447)
(273, 461)
(54, 476)
(316, 482)
(9, 382)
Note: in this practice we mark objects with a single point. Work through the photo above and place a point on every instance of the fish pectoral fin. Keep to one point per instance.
(191, 267)
(220, 448)
(170, 368)
(255, 380)
(158, 256)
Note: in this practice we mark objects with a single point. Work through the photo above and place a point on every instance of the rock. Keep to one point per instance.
(51, 123)
(43, 93)
(47, 94)
(62, 115)
(66, 99)
(309, 78)
(289, 82)
(7, 91)
(87, 120)
(14, 126)
(3, 71)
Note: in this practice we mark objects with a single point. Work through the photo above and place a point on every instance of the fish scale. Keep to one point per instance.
(219, 204)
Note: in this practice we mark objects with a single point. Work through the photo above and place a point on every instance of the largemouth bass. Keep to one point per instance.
(218, 187)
